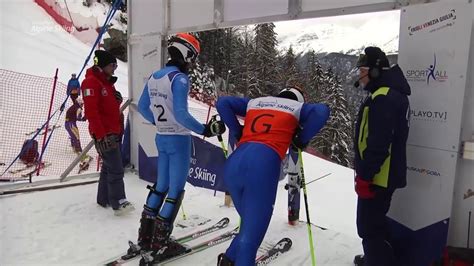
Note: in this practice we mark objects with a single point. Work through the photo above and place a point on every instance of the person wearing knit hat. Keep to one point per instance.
(102, 111)
(380, 162)
(103, 58)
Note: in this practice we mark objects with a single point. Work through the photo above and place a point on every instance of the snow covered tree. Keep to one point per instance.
(213, 48)
(335, 139)
(202, 83)
(243, 78)
(290, 73)
(313, 77)
(265, 59)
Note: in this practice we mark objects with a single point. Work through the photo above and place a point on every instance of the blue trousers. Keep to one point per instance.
(111, 188)
(73, 132)
(372, 227)
(251, 176)
(173, 167)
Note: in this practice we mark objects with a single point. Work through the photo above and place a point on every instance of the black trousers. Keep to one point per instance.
(372, 227)
(111, 188)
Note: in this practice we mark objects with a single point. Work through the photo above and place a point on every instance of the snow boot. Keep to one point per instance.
(223, 260)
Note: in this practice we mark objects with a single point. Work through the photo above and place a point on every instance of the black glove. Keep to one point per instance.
(297, 143)
(106, 144)
(118, 96)
(213, 128)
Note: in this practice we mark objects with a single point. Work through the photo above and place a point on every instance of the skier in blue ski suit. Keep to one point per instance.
(164, 104)
(251, 172)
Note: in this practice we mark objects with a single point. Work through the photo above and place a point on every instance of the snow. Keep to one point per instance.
(32, 43)
(36, 45)
(66, 227)
(343, 34)
(98, 10)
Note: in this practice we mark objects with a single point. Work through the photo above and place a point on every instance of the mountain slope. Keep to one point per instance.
(345, 34)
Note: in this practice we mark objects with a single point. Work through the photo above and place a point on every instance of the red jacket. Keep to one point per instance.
(101, 108)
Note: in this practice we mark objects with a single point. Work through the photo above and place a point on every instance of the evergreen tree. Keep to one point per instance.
(212, 49)
(243, 79)
(312, 77)
(201, 78)
(265, 59)
(335, 139)
(290, 73)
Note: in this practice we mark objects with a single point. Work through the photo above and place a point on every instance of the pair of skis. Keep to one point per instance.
(270, 255)
(124, 258)
(274, 252)
(29, 167)
(42, 166)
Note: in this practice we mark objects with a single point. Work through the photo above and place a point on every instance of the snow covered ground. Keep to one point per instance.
(31, 42)
(66, 227)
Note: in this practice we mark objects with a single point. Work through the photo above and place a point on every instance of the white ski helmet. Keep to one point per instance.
(293, 93)
(186, 44)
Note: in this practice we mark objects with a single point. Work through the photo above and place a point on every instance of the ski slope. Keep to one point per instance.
(67, 227)
(31, 42)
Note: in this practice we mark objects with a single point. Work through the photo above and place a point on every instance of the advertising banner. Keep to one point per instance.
(433, 53)
(206, 169)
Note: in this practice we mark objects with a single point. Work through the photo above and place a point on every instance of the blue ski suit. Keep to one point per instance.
(251, 172)
(164, 103)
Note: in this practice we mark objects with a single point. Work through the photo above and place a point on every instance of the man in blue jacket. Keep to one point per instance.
(164, 103)
(380, 152)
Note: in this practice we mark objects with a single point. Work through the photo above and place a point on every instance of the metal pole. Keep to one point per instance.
(86, 149)
(38, 166)
(468, 229)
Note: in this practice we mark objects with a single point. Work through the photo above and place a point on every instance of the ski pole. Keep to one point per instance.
(219, 138)
(182, 209)
(308, 222)
(321, 177)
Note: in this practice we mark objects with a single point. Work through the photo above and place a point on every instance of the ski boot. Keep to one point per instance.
(145, 233)
(223, 260)
(162, 246)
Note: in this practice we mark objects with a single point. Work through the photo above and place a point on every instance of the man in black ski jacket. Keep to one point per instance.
(381, 134)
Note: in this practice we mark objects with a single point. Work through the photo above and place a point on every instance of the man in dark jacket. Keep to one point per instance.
(102, 110)
(380, 152)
